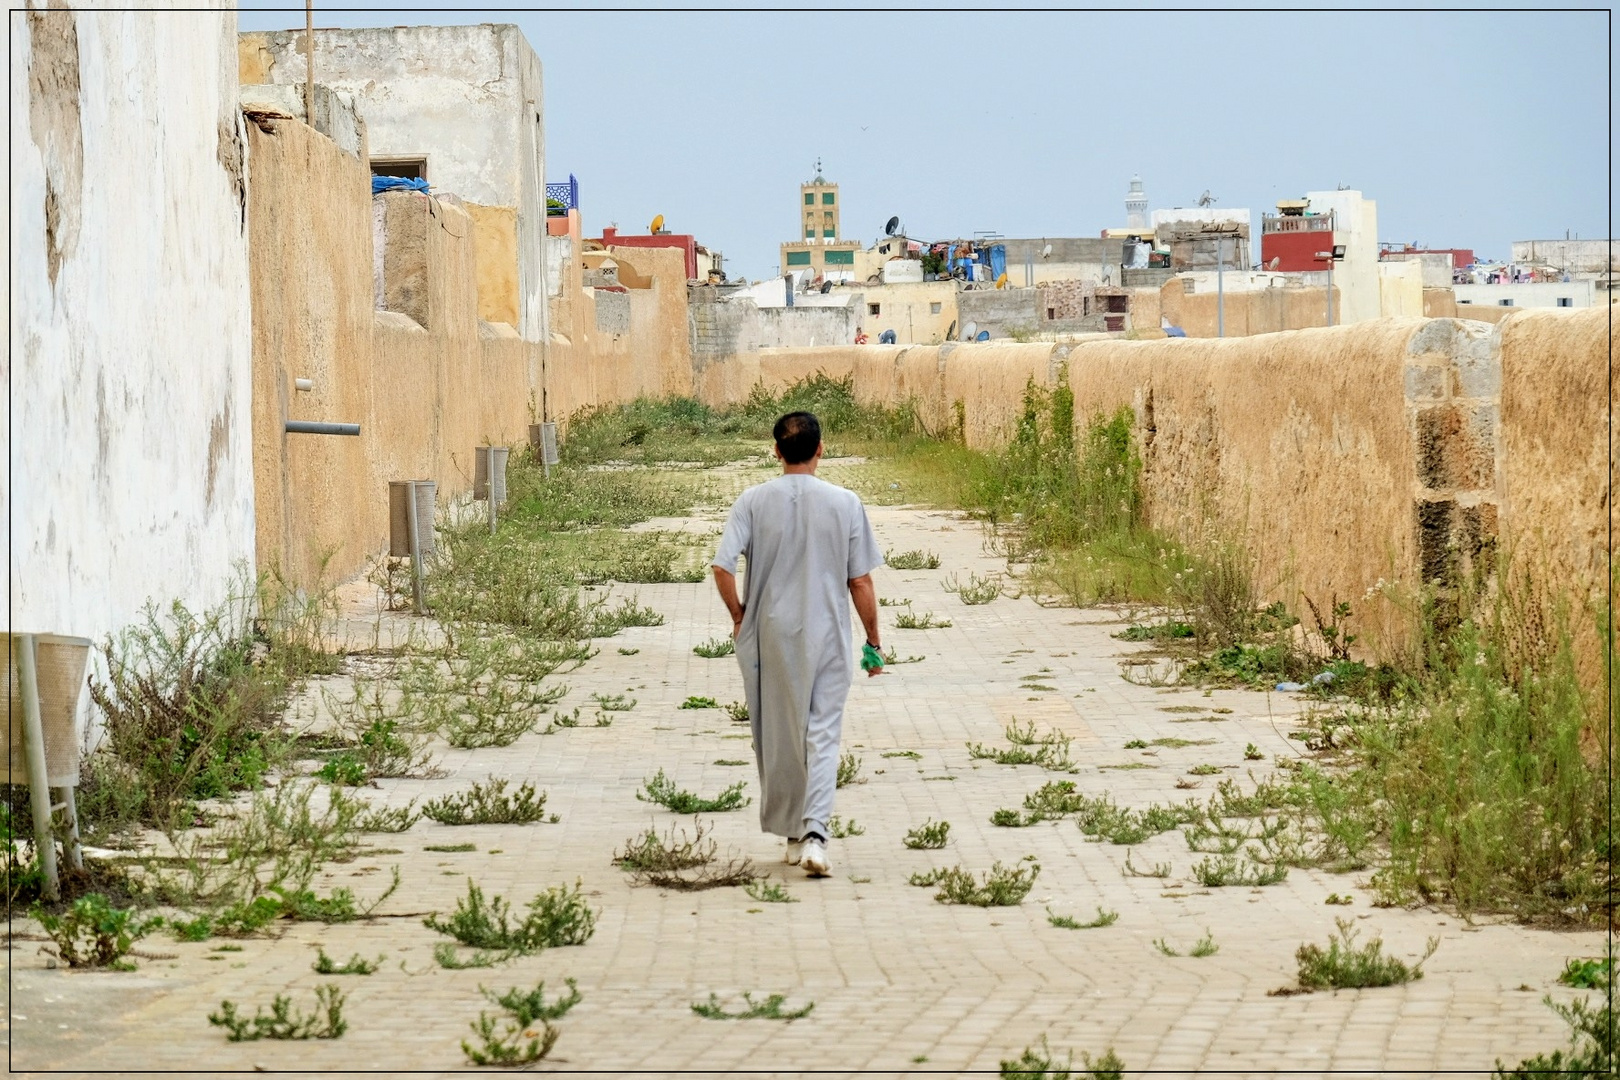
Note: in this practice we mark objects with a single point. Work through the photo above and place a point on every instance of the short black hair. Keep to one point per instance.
(797, 435)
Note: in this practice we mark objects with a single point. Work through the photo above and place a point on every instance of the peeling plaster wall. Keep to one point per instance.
(468, 98)
(130, 470)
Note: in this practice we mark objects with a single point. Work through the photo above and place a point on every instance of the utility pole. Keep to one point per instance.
(309, 62)
(1220, 286)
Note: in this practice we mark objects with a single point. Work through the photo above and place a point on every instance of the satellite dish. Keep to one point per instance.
(1272, 265)
(1001, 282)
(969, 330)
(826, 286)
(1206, 199)
(892, 226)
(983, 335)
(657, 223)
(951, 333)
(1046, 252)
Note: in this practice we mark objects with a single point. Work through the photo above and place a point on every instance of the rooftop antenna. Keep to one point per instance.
(892, 227)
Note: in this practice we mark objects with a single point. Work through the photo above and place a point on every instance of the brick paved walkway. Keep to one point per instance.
(900, 983)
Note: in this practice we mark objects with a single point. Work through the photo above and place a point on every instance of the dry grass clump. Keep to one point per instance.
(688, 864)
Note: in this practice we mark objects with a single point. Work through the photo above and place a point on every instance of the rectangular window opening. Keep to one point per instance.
(410, 168)
(935, 308)
(809, 198)
(1505, 303)
(826, 198)
(1564, 301)
(874, 309)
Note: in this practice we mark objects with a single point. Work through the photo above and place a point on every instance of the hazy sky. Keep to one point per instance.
(1469, 129)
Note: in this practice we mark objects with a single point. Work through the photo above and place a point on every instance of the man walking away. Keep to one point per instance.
(808, 546)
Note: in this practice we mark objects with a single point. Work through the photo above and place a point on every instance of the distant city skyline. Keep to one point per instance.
(1032, 124)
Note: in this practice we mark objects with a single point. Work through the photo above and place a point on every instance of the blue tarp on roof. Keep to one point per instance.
(398, 183)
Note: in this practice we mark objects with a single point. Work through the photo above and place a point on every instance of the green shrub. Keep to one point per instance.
(93, 933)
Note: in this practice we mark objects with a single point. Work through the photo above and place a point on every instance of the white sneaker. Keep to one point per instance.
(793, 849)
(813, 857)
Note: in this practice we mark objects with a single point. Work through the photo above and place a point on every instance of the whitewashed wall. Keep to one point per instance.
(130, 472)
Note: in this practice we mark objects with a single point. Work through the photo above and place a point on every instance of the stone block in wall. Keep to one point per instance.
(1456, 447)
(1453, 399)
(612, 311)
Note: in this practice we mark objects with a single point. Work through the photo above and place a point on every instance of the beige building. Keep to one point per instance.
(821, 248)
(919, 313)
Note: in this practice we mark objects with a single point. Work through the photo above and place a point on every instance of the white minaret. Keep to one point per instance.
(1136, 205)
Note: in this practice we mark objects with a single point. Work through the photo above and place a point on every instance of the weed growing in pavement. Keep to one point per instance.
(488, 804)
(482, 689)
(1252, 752)
(1205, 946)
(839, 829)
(613, 702)
(1170, 630)
(343, 769)
(1039, 1064)
(300, 902)
(1345, 965)
(1177, 744)
(1136, 744)
(191, 710)
(1066, 922)
(445, 954)
(925, 878)
(1154, 870)
(928, 836)
(1003, 886)
(737, 712)
(849, 770)
(279, 839)
(388, 819)
(661, 789)
(910, 754)
(1204, 770)
(769, 1009)
(93, 933)
(1050, 751)
(370, 729)
(356, 965)
(926, 621)
(515, 1042)
(449, 849)
(911, 560)
(715, 648)
(976, 590)
(1588, 973)
(1340, 901)
(1012, 819)
(893, 657)
(730, 761)
(557, 917)
(1594, 1041)
(324, 1022)
(884, 601)
(769, 892)
(695, 702)
(1220, 870)
(688, 864)
(564, 720)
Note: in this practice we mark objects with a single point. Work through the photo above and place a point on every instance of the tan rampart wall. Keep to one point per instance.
(1339, 458)
(424, 390)
(1247, 311)
(1556, 471)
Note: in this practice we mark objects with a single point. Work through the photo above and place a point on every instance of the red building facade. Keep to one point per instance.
(686, 242)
